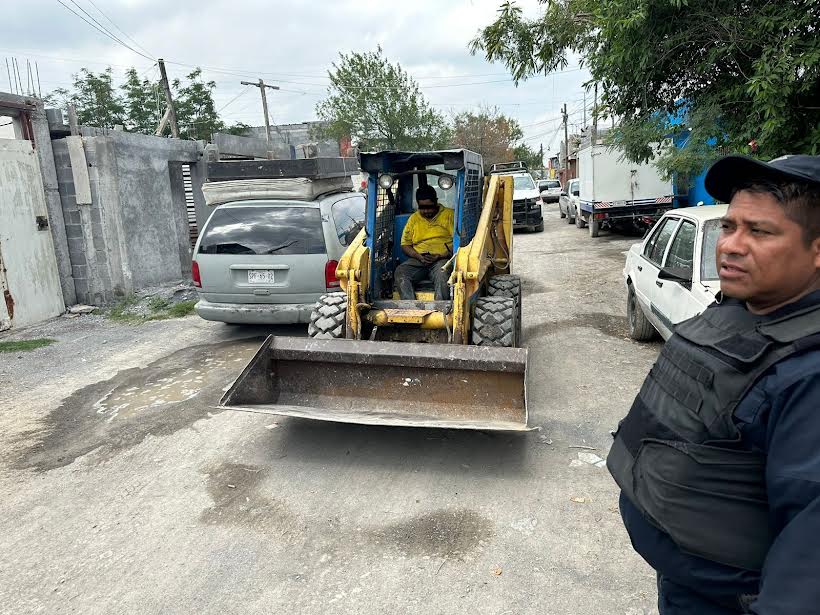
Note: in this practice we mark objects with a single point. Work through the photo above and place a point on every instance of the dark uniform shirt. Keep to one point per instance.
(780, 416)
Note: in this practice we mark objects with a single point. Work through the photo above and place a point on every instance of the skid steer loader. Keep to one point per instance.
(373, 358)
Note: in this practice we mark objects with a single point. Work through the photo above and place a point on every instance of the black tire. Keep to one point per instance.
(594, 226)
(570, 216)
(640, 329)
(495, 322)
(580, 221)
(509, 286)
(538, 228)
(327, 320)
(561, 212)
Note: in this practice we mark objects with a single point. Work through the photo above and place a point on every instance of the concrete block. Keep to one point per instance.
(69, 204)
(73, 230)
(81, 288)
(96, 215)
(99, 242)
(96, 228)
(77, 257)
(79, 271)
(66, 188)
(76, 244)
(102, 258)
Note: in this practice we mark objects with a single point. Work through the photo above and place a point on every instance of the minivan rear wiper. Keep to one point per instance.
(282, 247)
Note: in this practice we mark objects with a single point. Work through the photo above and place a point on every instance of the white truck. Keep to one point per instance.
(617, 192)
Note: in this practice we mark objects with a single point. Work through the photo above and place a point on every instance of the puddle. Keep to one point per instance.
(116, 414)
(608, 324)
(168, 389)
(451, 534)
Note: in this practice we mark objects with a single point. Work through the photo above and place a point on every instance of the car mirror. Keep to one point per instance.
(564, 193)
(676, 274)
(576, 193)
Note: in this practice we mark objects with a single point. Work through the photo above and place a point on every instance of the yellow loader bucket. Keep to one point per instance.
(385, 383)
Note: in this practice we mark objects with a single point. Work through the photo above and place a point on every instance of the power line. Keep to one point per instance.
(102, 31)
(123, 32)
(235, 98)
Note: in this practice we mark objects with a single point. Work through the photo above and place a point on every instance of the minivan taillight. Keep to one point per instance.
(331, 281)
(195, 274)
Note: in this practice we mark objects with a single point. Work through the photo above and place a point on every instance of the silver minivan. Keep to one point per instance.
(269, 261)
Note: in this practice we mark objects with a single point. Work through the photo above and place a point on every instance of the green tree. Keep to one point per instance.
(94, 97)
(379, 105)
(744, 74)
(488, 132)
(143, 105)
(195, 109)
(534, 159)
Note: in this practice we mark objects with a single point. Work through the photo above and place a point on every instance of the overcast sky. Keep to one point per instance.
(290, 44)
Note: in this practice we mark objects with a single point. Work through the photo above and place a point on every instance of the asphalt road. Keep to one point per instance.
(122, 489)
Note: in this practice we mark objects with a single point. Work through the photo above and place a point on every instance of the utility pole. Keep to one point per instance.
(566, 144)
(262, 85)
(595, 117)
(585, 109)
(170, 115)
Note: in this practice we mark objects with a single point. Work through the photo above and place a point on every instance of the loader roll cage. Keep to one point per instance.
(388, 209)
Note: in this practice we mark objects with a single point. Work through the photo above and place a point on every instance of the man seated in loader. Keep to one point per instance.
(427, 240)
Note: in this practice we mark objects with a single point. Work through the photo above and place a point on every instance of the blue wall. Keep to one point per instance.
(697, 191)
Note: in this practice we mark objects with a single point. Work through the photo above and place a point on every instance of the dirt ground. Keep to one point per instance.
(123, 490)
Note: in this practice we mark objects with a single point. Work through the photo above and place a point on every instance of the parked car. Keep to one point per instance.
(672, 274)
(550, 190)
(269, 261)
(569, 201)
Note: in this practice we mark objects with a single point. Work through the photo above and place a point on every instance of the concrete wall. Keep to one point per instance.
(296, 135)
(135, 232)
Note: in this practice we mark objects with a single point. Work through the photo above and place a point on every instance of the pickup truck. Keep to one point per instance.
(672, 274)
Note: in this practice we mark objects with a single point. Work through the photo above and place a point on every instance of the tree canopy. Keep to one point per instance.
(379, 105)
(741, 75)
(493, 135)
(138, 103)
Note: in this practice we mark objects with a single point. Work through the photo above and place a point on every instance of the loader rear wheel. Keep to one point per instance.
(495, 322)
(327, 320)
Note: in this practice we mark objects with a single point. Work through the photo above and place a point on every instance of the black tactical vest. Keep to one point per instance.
(677, 455)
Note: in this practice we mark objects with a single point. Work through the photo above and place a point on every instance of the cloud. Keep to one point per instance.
(291, 44)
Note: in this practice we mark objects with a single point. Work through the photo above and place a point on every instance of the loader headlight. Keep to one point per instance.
(445, 182)
(385, 181)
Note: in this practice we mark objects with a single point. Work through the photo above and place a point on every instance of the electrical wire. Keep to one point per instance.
(123, 32)
(103, 31)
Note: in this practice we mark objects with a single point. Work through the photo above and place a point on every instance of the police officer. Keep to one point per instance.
(718, 460)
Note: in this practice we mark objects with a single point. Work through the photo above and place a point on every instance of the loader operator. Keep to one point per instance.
(427, 241)
(718, 460)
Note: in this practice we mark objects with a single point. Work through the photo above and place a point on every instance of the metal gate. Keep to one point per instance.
(29, 281)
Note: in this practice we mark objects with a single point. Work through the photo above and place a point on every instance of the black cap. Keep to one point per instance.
(426, 193)
(729, 172)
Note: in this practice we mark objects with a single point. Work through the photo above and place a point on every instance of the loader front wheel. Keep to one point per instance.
(327, 320)
(508, 286)
(495, 322)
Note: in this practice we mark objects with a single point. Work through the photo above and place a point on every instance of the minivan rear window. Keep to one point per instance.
(264, 230)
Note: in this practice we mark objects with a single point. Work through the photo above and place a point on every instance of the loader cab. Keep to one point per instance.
(393, 180)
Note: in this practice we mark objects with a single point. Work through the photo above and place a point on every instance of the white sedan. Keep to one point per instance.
(672, 275)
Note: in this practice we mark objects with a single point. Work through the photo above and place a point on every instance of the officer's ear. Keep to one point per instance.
(815, 248)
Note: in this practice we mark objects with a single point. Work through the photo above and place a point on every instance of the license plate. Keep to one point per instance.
(261, 276)
(618, 203)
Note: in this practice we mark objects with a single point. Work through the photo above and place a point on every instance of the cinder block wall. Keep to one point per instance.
(135, 232)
